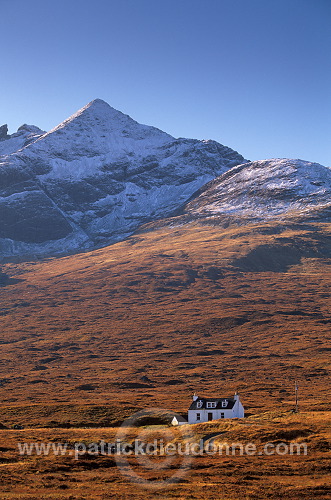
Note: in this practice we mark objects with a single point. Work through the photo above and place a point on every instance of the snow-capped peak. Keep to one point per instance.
(100, 118)
(95, 178)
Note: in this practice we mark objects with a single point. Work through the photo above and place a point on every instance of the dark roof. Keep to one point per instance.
(180, 418)
(201, 404)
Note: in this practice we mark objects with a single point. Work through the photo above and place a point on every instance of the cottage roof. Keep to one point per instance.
(179, 418)
(219, 404)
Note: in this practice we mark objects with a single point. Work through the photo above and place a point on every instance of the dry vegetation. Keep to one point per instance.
(89, 339)
(211, 476)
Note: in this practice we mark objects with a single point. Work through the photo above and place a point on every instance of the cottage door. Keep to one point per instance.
(210, 416)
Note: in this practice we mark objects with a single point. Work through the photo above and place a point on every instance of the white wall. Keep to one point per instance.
(236, 412)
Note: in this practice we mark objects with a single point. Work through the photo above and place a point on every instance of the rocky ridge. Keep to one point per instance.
(23, 137)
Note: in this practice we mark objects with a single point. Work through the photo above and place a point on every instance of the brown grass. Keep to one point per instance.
(207, 476)
(89, 339)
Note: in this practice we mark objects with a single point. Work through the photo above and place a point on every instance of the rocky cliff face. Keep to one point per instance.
(94, 179)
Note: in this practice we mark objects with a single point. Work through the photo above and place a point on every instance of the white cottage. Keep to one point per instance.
(206, 409)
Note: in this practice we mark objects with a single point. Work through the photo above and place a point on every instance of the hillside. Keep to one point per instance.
(88, 340)
(168, 312)
(281, 189)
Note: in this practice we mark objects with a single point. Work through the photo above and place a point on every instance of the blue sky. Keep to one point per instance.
(254, 75)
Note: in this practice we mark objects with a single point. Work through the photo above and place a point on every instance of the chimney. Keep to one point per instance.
(236, 396)
(195, 397)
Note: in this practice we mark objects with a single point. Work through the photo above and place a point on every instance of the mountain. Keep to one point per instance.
(228, 293)
(269, 189)
(25, 135)
(94, 179)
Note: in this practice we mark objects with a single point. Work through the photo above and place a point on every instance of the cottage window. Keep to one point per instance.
(198, 416)
(224, 403)
(222, 415)
(211, 404)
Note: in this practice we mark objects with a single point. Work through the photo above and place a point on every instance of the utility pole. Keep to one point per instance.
(296, 397)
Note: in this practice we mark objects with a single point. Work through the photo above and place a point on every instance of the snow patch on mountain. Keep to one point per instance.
(265, 189)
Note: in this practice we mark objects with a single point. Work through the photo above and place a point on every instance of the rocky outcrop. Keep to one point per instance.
(3, 132)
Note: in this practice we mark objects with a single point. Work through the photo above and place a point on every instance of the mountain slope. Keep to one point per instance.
(267, 189)
(149, 320)
(95, 178)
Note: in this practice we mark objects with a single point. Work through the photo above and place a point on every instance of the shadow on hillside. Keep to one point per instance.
(5, 280)
(280, 257)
